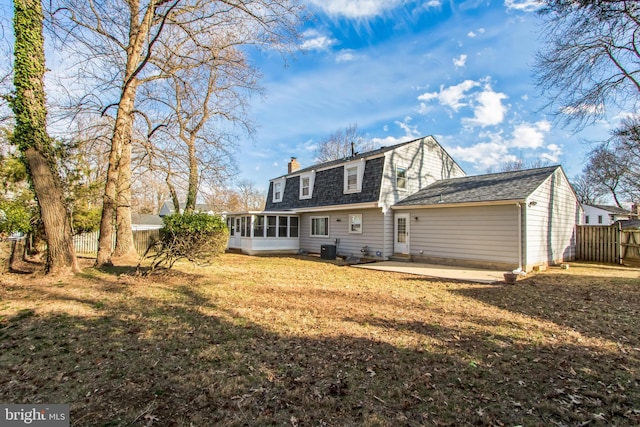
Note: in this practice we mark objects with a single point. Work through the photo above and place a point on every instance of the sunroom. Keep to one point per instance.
(263, 232)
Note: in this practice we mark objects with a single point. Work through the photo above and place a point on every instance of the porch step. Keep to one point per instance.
(401, 257)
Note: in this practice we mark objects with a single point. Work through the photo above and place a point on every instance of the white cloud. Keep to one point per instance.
(583, 109)
(452, 96)
(345, 55)
(527, 135)
(472, 34)
(317, 42)
(357, 8)
(489, 109)
(484, 155)
(388, 141)
(424, 108)
(460, 61)
(523, 5)
(553, 154)
(410, 132)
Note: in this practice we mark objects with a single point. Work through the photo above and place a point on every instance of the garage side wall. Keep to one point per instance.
(552, 212)
(350, 244)
(481, 236)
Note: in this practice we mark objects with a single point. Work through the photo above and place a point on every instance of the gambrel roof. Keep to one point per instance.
(506, 186)
(328, 189)
(357, 156)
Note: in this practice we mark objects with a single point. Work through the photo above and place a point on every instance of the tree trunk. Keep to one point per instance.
(192, 191)
(32, 139)
(125, 247)
(117, 193)
(174, 194)
(61, 257)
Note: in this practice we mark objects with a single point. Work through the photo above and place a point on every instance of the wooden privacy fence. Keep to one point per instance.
(609, 244)
(87, 243)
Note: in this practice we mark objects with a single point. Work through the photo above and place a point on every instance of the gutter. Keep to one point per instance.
(459, 205)
(367, 205)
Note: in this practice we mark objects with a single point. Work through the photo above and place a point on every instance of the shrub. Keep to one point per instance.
(198, 237)
(15, 217)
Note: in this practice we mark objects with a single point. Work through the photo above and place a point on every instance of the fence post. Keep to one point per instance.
(618, 231)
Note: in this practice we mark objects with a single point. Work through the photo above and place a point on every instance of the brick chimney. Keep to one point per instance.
(293, 165)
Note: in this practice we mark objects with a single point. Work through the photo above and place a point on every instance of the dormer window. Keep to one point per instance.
(306, 185)
(352, 178)
(278, 190)
(353, 174)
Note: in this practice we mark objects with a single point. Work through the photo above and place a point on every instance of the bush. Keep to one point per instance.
(198, 237)
(15, 217)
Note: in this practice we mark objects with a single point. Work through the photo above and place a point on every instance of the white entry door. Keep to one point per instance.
(401, 234)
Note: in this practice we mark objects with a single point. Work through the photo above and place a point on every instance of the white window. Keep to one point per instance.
(599, 219)
(278, 190)
(353, 174)
(306, 185)
(355, 223)
(319, 226)
(586, 219)
(401, 178)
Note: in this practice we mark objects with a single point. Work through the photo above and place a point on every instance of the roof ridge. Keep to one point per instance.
(357, 156)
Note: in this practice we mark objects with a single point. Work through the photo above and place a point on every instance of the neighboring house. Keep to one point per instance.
(169, 209)
(146, 222)
(605, 215)
(413, 200)
(346, 202)
(511, 220)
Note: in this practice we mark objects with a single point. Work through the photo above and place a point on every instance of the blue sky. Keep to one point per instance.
(401, 69)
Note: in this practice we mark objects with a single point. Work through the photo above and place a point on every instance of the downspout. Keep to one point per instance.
(519, 269)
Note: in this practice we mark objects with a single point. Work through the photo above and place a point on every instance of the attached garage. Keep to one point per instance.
(512, 220)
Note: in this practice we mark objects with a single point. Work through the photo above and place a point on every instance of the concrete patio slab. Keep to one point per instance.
(439, 271)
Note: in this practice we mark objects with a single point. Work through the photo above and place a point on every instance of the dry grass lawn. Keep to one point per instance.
(256, 341)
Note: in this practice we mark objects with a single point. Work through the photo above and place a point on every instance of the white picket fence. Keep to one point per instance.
(87, 243)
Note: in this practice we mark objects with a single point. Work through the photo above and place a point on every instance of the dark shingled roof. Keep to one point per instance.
(350, 158)
(517, 185)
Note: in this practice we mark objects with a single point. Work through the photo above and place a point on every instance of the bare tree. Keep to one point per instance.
(342, 144)
(120, 42)
(626, 144)
(250, 197)
(586, 189)
(207, 96)
(606, 169)
(32, 139)
(591, 58)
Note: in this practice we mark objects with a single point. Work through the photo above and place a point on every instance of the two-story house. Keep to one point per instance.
(413, 200)
(344, 203)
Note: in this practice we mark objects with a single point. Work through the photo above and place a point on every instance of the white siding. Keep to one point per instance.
(608, 218)
(350, 244)
(478, 235)
(425, 162)
(552, 212)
